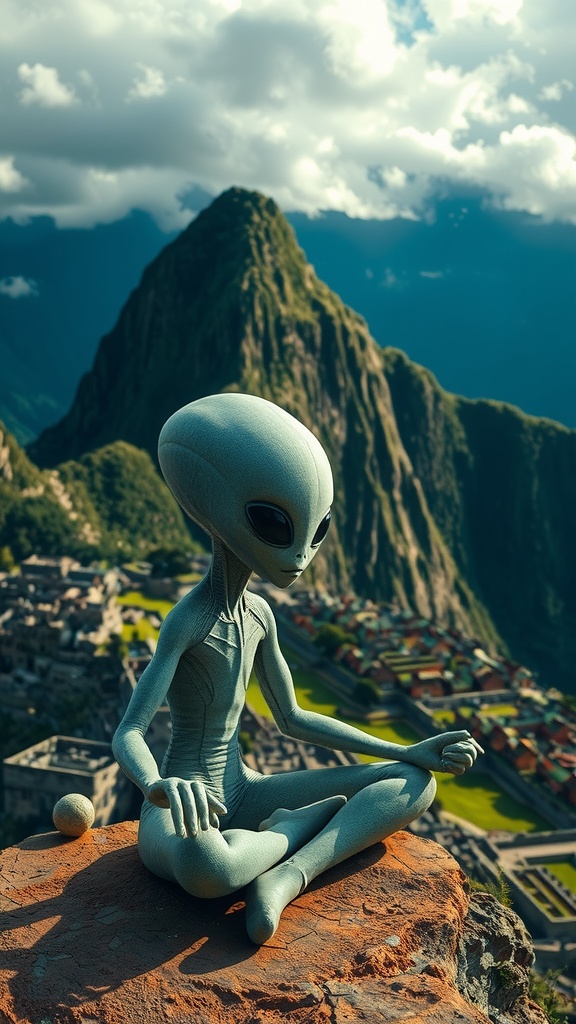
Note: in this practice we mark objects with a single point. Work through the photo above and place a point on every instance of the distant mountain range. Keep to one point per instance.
(483, 297)
(462, 509)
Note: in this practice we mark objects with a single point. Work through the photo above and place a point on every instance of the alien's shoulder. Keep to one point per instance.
(261, 611)
(190, 620)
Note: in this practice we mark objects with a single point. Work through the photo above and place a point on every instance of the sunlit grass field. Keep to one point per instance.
(142, 630)
(149, 604)
(477, 798)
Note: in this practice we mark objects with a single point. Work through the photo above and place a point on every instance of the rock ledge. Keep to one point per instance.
(88, 935)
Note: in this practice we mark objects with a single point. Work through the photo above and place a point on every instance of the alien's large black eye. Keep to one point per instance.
(322, 530)
(270, 523)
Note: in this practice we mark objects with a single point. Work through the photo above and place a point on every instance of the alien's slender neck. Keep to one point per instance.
(228, 578)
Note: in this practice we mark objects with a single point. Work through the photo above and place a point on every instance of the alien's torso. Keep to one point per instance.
(206, 698)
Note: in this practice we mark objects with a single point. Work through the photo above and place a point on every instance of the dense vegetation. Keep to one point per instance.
(119, 485)
(32, 519)
(108, 505)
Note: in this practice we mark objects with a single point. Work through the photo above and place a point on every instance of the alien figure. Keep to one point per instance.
(260, 483)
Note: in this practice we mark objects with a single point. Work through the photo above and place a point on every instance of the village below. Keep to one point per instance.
(75, 639)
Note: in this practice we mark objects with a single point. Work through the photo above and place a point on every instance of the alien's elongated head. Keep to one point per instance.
(252, 475)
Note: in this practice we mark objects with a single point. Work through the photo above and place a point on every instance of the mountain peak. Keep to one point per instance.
(243, 238)
(242, 204)
(185, 330)
(239, 223)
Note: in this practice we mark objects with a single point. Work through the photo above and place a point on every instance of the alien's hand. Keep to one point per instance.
(451, 752)
(190, 803)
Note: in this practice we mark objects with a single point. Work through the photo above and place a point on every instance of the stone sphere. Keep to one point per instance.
(73, 814)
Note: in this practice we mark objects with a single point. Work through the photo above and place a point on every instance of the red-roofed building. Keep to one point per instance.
(525, 756)
(428, 684)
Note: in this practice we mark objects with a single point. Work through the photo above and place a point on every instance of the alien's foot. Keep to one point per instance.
(266, 898)
(303, 823)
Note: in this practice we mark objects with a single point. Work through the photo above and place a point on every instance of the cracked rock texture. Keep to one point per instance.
(88, 935)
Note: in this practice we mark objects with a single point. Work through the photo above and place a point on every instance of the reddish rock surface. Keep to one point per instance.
(89, 935)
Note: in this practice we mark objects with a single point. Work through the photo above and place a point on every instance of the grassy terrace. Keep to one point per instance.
(474, 797)
(565, 871)
(541, 890)
(446, 717)
(143, 630)
(477, 798)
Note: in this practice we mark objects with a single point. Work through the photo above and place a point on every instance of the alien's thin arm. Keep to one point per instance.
(452, 752)
(128, 745)
(277, 686)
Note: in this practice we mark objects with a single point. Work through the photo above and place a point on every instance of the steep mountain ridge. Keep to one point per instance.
(232, 304)
(501, 487)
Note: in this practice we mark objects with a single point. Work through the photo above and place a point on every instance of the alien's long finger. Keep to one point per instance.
(468, 744)
(176, 811)
(216, 805)
(459, 736)
(214, 819)
(455, 755)
(189, 807)
(467, 763)
(457, 766)
(452, 762)
(201, 805)
(462, 748)
(459, 759)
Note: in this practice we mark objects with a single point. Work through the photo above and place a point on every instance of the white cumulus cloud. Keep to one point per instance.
(150, 82)
(18, 287)
(501, 12)
(10, 178)
(43, 86)
(354, 105)
(556, 90)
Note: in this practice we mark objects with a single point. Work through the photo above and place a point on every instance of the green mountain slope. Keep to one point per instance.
(232, 304)
(501, 487)
(106, 505)
(31, 517)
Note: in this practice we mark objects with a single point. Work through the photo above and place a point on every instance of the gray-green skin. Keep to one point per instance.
(209, 822)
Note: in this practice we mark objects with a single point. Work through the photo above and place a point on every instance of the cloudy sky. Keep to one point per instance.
(359, 106)
(423, 149)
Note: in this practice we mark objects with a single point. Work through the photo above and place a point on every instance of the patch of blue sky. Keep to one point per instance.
(409, 17)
